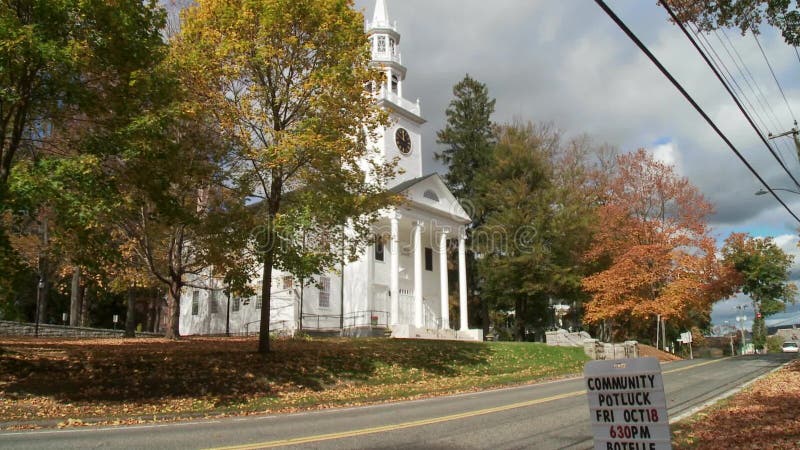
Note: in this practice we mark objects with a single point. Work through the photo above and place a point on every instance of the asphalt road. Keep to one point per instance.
(552, 415)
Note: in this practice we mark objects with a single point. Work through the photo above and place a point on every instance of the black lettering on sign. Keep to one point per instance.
(604, 415)
(630, 446)
(625, 399)
(622, 383)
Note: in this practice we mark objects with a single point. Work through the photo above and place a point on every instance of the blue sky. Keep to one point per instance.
(566, 63)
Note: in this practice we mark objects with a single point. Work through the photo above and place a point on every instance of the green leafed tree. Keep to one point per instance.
(763, 270)
(63, 60)
(70, 71)
(538, 209)
(285, 80)
(468, 138)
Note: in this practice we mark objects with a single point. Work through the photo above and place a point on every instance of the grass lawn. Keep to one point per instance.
(127, 381)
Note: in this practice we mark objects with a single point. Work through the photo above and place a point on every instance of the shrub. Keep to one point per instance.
(774, 344)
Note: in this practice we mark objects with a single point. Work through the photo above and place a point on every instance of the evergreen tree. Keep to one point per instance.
(468, 139)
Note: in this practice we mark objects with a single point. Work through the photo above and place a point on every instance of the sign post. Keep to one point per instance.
(627, 406)
(686, 338)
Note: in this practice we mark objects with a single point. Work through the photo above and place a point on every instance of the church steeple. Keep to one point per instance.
(402, 138)
(385, 42)
(381, 15)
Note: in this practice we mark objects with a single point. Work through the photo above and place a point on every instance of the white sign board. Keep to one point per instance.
(686, 338)
(627, 406)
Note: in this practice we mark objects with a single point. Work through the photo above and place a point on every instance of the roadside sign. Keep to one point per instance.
(686, 338)
(627, 406)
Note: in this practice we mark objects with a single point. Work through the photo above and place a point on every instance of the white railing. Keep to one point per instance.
(380, 24)
(400, 101)
(429, 318)
(387, 56)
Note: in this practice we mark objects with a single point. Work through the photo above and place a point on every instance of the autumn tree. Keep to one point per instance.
(468, 137)
(746, 15)
(285, 80)
(652, 234)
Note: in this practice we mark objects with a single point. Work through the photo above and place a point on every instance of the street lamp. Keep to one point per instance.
(741, 320)
(763, 192)
(39, 289)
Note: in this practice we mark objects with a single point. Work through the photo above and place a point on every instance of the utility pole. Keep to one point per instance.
(794, 133)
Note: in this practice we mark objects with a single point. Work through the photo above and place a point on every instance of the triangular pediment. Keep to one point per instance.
(431, 193)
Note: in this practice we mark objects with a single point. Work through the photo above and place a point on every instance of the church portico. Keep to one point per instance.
(409, 265)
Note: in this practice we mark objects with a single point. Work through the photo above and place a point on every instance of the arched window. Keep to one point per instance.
(391, 46)
(381, 44)
(430, 195)
(394, 83)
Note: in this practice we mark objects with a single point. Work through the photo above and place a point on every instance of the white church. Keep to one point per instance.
(399, 286)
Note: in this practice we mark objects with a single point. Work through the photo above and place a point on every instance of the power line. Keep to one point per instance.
(733, 96)
(732, 85)
(760, 95)
(774, 77)
(709, 50)
(689, 98)
(750, 74)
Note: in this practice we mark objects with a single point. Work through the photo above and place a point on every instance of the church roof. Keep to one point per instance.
(430, 193)
(408, 183)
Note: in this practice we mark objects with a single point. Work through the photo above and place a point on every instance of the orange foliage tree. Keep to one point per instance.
(653, 241)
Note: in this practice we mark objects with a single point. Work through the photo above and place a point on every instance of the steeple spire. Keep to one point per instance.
(381, 16)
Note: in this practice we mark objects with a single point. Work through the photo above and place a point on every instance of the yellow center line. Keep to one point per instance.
(696, 365)
(418, 423)
(399, 426)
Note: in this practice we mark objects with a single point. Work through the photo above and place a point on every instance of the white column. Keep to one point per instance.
(388, 82)
(443, 286)
(418, 255)
(394, 268)
(462, 282)
(371, 277)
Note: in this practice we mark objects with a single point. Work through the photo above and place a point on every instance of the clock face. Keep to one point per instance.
(403, 141)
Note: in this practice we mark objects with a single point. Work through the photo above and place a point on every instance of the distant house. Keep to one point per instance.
(400, 282)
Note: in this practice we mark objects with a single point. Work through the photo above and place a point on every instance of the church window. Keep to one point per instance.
(195, 303)
(258, 302)
(213, 304)
(379, 249)
(324, 292)
(237, 304)
(288, 281)
(430, 195)
(381, 44)
(429, 259)
(394, 83)
(391, 46)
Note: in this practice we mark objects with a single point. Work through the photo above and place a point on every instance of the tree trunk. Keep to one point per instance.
(86, 297)
(75, 298)
(173, 310)
(130, 315)
(266, 297)
(519, 319)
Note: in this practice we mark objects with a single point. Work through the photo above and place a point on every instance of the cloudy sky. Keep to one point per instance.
(567, 63)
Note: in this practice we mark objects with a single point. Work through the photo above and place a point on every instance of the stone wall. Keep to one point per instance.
(602, 350)
(8, 328)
